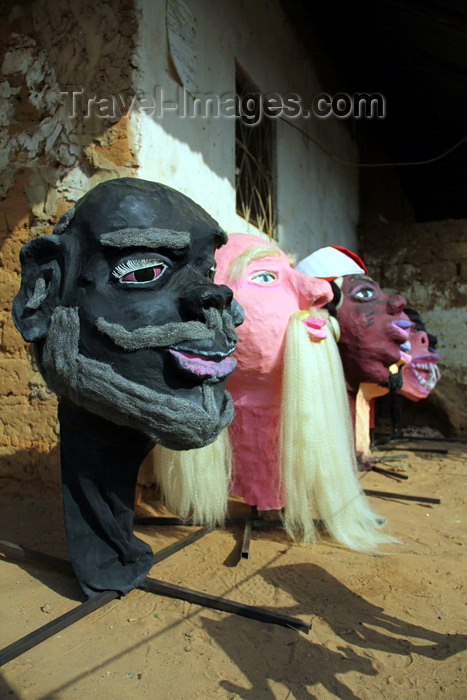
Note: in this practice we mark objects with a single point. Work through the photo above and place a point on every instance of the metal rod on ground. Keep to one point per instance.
(152, 585)
(402, 496)
(401, 438)
(181, 544)
(46, 631)
(230, 606)
(262, 522)
(389, 472)
(419, 449)
(162, 520)
(23, 553)
(246, 540)
(388, 459)
(156, 520)
(409, 438)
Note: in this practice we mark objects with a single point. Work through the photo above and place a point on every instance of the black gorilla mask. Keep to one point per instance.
(134, 336)
(127, 321)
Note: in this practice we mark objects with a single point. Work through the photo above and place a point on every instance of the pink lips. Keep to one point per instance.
(315, 328)
(204, 366)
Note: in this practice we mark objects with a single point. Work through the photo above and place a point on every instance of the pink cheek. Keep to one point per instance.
(265, 299)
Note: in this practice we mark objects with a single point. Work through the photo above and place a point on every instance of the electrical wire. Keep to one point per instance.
(375, 165)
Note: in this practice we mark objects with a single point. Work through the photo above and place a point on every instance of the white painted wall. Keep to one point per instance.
(317, 198)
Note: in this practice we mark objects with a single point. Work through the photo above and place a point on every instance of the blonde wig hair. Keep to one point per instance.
(195, 483)
(316, 440)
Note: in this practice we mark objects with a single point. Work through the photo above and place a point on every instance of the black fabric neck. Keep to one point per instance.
(100, 462)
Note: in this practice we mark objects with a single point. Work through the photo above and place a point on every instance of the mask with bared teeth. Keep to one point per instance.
(421, 375)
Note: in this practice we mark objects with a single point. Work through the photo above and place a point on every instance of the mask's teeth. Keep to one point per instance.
(435, 374)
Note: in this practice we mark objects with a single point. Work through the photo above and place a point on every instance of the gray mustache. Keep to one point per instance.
(168, 334)
(98, 388)
(154, 336)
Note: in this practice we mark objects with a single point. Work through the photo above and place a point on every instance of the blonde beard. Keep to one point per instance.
(194, 483)
(319, 472)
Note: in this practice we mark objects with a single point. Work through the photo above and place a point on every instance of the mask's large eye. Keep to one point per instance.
(139, 271)
(264, 277)
(364, 293)
(212, 272)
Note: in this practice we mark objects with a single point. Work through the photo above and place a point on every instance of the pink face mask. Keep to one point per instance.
(421, 375)
(270, 291)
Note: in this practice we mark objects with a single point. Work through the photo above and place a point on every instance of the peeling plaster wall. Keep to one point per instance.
(47, 161)
(427, 264)
(317, 198)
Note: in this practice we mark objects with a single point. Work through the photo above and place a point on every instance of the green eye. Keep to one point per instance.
(365, 293)
(263, 277)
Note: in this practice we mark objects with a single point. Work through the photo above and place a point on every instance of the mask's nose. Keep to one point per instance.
(238, 314)
(200, 297)
(396, 304)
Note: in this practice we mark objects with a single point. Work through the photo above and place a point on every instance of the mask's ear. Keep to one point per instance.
(41, 276)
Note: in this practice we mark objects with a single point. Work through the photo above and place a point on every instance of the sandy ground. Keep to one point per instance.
(382, 626)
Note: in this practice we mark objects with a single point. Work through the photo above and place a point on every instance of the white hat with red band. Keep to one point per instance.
(331, 262)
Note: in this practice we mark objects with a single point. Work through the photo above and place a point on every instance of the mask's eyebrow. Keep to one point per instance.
(364, 278)
(146, 238)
